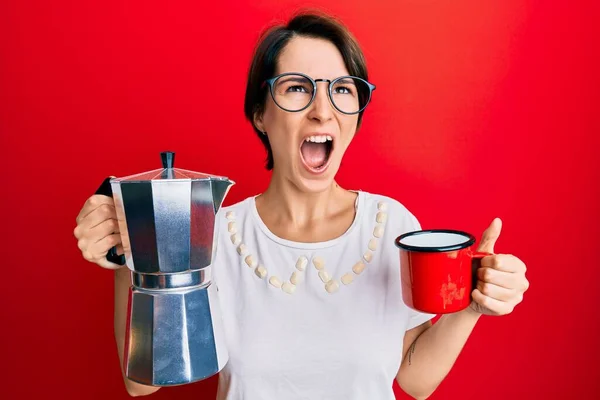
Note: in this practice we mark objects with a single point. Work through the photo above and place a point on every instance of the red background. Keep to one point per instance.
(483, 109)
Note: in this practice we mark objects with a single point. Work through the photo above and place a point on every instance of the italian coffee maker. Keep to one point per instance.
(166, 219)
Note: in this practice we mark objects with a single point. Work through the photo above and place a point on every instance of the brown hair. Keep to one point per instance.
(273, 41)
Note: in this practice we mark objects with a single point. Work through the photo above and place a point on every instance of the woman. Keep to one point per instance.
(319, 313)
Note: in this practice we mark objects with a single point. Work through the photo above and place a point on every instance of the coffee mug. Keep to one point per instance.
(438, 269)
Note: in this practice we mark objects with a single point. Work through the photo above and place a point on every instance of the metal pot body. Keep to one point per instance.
(166, 218)
(174, 336)
(167, 226)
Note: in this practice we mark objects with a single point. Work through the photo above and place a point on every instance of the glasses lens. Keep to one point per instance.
(292, 92)
(349, 94)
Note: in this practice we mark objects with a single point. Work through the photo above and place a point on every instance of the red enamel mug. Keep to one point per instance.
(438, 269)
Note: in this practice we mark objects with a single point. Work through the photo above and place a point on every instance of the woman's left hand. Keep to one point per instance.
(501, 279)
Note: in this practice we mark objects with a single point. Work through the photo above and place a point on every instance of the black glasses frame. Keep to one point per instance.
(331, 83)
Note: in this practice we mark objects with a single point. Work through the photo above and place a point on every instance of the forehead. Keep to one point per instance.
(318, 58)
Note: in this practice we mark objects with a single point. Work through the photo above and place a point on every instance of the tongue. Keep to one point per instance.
(314, 154)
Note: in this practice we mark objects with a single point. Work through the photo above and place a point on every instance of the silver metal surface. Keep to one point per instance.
(202, 229)
(220, 188)
(166, 217)
(172, 337)
(138, 205)
(167, 225)
(171, 281)
(172, 221)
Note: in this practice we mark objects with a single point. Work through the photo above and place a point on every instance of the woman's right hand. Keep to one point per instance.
(97, 230)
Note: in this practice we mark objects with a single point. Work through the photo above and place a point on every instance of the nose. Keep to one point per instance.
(321, 109)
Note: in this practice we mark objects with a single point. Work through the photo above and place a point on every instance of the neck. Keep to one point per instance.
(289, 203)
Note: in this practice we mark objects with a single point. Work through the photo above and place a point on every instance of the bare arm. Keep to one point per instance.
(122, 283)
(430, 351)
(97, 231)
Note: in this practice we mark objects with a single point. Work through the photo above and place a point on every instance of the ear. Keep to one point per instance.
(258, 120)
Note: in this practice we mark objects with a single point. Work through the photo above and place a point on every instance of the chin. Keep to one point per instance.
(314, 186)
(308, 182)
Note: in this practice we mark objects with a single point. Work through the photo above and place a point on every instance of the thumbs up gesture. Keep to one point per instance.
(501, 280)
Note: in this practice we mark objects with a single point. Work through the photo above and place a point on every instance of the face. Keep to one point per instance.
(308, 145)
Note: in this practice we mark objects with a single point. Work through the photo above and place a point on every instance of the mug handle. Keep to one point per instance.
(476, 257)
(106, 190)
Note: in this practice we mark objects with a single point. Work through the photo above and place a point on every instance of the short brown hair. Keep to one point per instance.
(272, 42)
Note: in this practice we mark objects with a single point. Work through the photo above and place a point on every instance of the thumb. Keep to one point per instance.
(490, 236)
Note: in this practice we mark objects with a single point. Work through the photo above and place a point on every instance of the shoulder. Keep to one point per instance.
(397, 216)
(235, 210)
(228, 221)
(228, 217)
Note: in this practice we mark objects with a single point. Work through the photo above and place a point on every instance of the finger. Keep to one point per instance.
(99, 249)
(91, 204)
(104, 263)
(524, 284)
(88, 236)
(495, 306)
(102, 230)
(498, 292)
(490, 236)
(103, 213)
(120, 250)
(506, 280)
(503, 262)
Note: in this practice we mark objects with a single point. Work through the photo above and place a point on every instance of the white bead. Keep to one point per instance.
(373, 244)
(324, 275)
(230, 215)
(236, 239)
(381, 217)
(251, 261)
(382, 206)
(288, 288)
(275, 281)
(318, 263)
(296, 277)
(347, 278)
(332, 286)
(358, 268)
(368, 256)
(242, 249)
(378, 231)
(260, 271)
(231, 227)
(301, 263)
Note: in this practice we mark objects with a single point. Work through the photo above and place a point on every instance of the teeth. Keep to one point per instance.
(319, 138)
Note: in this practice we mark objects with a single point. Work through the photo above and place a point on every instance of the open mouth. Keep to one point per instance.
(315, 152)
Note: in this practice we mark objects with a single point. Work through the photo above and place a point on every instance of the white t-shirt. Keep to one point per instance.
(340, 341)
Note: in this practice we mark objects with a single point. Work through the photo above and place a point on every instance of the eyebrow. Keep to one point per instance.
(346, 80)
(294, 79)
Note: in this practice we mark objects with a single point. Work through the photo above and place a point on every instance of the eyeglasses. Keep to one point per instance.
(294, 91)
